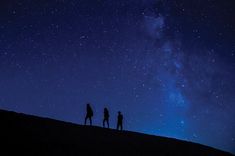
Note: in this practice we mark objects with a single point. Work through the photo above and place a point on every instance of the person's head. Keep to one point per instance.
(88, 105)
(119, 113)
(105, 109)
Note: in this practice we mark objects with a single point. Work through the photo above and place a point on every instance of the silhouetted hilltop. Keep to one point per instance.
(29, 135)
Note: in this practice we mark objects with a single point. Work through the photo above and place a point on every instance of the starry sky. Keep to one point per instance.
(168, 66)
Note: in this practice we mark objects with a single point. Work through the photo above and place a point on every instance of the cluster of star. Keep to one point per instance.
(167, 65)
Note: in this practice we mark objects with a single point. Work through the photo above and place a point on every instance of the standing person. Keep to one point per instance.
(119, 121)
(106, 117)
(89, 113)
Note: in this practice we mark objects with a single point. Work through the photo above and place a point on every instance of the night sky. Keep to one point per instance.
(168, 66)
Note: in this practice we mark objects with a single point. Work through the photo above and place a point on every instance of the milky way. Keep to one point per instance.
(168, 66)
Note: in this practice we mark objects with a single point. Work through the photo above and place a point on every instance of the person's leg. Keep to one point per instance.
(121, 126)
(85, 120)
(90, 121)
(108, 122)
(103, 122)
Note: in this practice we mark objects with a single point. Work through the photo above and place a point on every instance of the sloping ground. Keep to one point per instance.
(29, 135)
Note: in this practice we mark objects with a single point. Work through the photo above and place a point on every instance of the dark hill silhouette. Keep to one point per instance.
(30, 135)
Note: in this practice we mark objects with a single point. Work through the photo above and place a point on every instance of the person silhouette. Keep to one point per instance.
(106, 117)
(119, 121)
(89, 113)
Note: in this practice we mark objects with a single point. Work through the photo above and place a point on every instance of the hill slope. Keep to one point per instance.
(30, 135)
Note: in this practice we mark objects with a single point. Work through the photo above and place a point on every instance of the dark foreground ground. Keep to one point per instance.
(29, 135)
